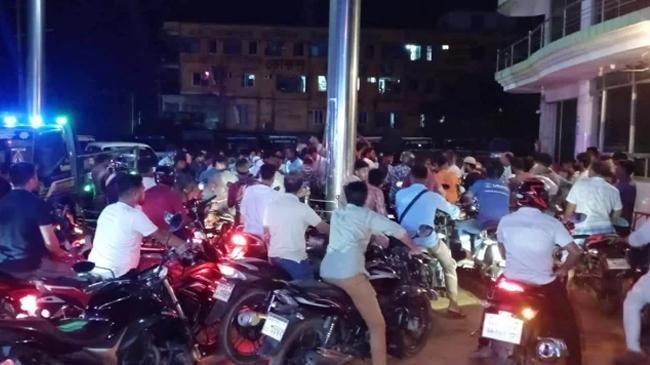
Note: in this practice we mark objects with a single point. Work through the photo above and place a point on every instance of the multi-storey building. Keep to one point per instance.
(274, 79)
(590, 62)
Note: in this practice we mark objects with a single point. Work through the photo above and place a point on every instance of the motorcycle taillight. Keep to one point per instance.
(509, 286)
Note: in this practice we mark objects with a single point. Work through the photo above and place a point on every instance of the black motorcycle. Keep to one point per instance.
(132, 319)
(243, 296)
(311, 322)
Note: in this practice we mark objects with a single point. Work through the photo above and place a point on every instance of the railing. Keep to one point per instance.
(563, 22)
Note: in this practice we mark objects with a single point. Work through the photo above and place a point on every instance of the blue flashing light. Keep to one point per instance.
(61, 120)
(36, 121)
(10, 121)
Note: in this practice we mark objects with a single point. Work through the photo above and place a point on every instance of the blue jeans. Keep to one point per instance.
(466, 229)
(297, 270)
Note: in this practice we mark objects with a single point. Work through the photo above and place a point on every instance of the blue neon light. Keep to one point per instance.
(10, 121)
(36, 121)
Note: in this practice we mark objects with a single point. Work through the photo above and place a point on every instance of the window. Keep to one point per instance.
(252, 47)
(51, 157)
(317, 117)
(274, 48)
(212, 46)
(363, 118)
(248, 80)
(196, 79)
(445, 47)
(318, 49)
(389, 86)
(369, 51)
(322, 83)
(241, 116)
(232, 46)
(298, 49)
(642, 122)
(189, 45)
(617, 118)
(412, 85)
(429, 53)
(291, 84)
(372, 80)
(414, 51)
(392, 120)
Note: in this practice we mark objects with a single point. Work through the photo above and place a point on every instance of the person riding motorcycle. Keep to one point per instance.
(638, 297)
(493, 197)
(597, 199)
(169, 196)
(344, 261)
(121, 227)
(416, 206)
(528, 238)
(29, 246)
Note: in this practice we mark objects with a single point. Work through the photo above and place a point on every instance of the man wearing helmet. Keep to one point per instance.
(528, 238)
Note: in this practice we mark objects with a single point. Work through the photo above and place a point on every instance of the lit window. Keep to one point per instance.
(391, 118)
(372, 79)
(303, 78)
(414, 51)
(389, 85)
(423, 120)
(322, 83)
(445, 47)
(291, 84)
(248, 80)
(429, 53)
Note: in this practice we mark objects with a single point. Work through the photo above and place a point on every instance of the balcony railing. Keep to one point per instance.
(563, 22)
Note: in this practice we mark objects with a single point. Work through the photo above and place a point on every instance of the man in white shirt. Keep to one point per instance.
(120, 229)
(638, 297)
(285, 221)
(528, 237)
(256, 199)
(597, 199)
(417, 206)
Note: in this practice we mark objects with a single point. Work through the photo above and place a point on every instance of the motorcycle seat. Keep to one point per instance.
(320, 288)
(74, 333)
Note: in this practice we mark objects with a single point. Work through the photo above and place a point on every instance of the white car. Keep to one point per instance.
(125, 150)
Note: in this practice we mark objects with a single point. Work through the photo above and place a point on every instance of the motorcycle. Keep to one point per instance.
(132, 319)
(604, 267)
(311, 322)
(243, 296)
(516, 328)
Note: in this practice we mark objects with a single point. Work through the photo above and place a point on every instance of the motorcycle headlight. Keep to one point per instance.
(230, 272)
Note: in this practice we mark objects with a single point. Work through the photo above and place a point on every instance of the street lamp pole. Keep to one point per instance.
(35, 71)
(342, 86)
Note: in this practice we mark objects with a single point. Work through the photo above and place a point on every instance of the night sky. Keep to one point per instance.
(101, 53)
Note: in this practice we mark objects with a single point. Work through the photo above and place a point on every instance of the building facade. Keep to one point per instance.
(274, 79)
(589, 61)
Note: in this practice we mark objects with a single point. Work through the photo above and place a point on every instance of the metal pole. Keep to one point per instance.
(603, 118)
(342, 75)
(35, 60)
(530, 36)
(564, 22)
(20, 77)
(632, 136)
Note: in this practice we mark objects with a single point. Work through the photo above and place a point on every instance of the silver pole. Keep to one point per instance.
(342, 76)
(603, 120)
(632, 133)
(35, 60)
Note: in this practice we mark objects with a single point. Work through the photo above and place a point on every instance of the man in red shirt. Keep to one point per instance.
(163, 199)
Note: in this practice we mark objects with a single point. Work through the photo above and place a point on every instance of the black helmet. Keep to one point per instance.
(165, 175)
(532, 193)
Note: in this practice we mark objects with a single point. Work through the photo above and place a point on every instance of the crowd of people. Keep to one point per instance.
(382, 198)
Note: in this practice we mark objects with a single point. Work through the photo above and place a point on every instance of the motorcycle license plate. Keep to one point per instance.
(224, 291)
(503, 327)
(275, 326)
(617, 264)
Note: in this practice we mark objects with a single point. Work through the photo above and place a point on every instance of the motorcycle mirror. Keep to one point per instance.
(83, 267)
(425, 230)
(174, 221)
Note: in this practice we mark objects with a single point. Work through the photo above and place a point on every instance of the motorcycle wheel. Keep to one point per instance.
(154, 352)
(243, 350)
(416, 326)
(304, 339)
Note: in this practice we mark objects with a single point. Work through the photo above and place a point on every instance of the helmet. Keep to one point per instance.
(165, 175)
(406, 157)
(532, 193)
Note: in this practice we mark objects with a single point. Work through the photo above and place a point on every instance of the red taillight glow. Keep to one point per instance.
(29, 304)
(238, 240)
(509, 286)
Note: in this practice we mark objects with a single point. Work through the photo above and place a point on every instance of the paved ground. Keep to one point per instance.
(451, 340)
